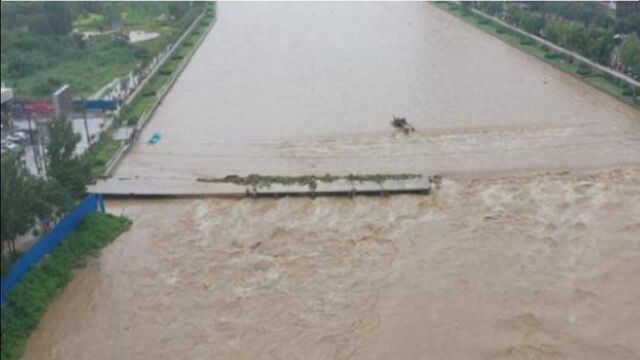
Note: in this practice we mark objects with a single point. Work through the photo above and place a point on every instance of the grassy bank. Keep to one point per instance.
(600, 81)
(100, 153)
(102, 61)
(104, 150)
(132, 113)
(42, 50)
(28, 301)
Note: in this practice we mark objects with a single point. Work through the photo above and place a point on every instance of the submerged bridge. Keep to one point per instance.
(165, 187)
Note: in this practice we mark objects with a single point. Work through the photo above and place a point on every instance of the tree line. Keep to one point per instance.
(581, 27)
(29, 202)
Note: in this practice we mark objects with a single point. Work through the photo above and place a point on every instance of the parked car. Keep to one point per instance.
(22, 135)
(14, 139)
(14, 147)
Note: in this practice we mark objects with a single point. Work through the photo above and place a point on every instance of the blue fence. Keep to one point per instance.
(50, 241)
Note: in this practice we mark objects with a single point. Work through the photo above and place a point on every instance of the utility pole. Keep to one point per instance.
(84, 116)
(36, 154)
(42, 148)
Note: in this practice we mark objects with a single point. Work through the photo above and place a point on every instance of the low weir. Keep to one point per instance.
(141, 187)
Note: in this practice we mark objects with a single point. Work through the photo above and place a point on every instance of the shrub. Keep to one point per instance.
(583, 72)
(501, 30)
(552, 55)
(526, 42)
(132, 120)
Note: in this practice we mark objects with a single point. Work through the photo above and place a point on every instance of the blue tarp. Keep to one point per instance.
(50, 241)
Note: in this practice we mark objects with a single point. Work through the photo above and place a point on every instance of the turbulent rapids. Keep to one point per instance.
(542, 264)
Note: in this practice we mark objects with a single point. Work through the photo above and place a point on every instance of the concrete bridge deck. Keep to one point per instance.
(145, 187)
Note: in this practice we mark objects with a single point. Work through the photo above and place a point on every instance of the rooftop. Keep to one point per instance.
(6, 95)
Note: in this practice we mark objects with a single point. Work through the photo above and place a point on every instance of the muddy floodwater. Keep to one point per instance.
(530, 267)
(284, 88)
(542, 265)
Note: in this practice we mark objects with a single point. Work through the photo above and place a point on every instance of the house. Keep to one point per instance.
(6, 95)
(626, 8)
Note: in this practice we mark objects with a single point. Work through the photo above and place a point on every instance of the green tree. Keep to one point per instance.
(532, 23)
(491, 7)
(59, 17)
(513, 15)
(178, 9)
(576, 38)
(17, 201)
(555, 31)
(629, 24)
(69, 170)
(630, 52)
(52, 201)
(600, 45)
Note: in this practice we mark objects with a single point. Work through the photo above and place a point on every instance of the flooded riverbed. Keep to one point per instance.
(531, 267)
(539, 266)
(285, 88)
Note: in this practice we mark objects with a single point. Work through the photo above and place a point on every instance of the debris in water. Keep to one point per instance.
(402, 124)
(154, 139)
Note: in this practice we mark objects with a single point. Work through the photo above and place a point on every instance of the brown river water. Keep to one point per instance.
(541, 265)
(286, 88)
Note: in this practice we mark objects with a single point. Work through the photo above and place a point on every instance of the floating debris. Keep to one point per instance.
(402, 124)
(154, 139)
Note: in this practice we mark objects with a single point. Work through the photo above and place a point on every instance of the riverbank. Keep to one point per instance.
(104, 154)
(28, 301)
(593, 77)
(133, 112)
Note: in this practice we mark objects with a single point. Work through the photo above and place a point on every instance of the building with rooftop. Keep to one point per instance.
(6, 97)
(626, 8)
